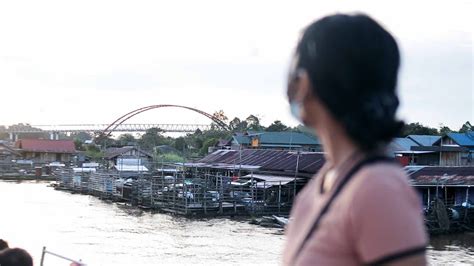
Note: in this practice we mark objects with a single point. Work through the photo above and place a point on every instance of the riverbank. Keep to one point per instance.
(26, 178)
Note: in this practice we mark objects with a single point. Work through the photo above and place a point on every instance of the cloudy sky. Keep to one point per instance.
(92, 61)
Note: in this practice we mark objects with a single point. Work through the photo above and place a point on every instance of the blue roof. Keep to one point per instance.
(463, 139)
(280, 138)
(424, 140)
(402, 144)
(242, 139)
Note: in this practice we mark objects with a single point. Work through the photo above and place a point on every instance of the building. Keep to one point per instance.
(453, 149)
(416, 150)
(7, 153)
(456, 149)
(46, 151)
(276, 141)
(451, 184)
(116, 156)
(402, 150)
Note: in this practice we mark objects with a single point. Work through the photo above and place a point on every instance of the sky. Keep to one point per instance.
(75, 62)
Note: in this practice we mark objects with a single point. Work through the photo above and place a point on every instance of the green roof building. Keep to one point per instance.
(276, 140)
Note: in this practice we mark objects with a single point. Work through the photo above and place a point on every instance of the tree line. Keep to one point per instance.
(191, 145)
(419, 129)
(196, 144)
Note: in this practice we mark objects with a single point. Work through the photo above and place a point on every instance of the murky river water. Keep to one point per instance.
(34, 215)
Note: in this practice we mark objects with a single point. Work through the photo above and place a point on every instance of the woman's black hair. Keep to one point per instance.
(352, 63)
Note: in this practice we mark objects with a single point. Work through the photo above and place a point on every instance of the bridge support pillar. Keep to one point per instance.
(53, 135)
(13, 136)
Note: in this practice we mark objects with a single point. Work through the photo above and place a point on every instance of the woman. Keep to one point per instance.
(360, 208)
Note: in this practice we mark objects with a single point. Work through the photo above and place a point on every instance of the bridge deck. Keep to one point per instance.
(182, 128)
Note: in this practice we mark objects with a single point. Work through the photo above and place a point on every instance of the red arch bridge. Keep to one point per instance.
(119, 125)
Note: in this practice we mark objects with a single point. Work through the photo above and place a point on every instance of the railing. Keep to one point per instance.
(74, 262)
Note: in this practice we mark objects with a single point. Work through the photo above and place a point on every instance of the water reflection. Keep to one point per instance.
(457, 249)
(465, 240)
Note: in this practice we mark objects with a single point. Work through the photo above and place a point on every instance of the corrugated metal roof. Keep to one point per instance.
(402, 144)
(4, 149)
(269, 160)
(463, 139)
(446, 176)
(43, 145)
(271, 178)
(280, 138)
(114, 152)
(424, 140)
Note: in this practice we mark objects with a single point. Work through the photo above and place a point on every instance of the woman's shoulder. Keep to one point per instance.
(383, 181)
(382, 175)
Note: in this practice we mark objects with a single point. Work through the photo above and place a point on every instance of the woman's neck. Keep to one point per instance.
(337, 145)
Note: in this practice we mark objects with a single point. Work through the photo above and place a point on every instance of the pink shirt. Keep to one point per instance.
(377, 214)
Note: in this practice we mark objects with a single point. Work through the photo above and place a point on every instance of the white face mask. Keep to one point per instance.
(295, 109)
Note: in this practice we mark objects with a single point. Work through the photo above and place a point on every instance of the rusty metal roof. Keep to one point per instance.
(443, 176)
(268, 160)
(43, 145)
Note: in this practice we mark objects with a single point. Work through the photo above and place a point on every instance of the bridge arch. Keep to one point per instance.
(108, 130)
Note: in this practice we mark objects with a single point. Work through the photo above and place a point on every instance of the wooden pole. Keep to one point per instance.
(252, 192)
(429, 197)
(233, 200)
(467, 200)
(279, 198)
(185, 194)
(221, 190)
(446, 195)
(174, 192)
(42, 256)
(264, 194)
(204, 192)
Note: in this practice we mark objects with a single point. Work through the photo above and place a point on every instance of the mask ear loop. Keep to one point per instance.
(296, 105)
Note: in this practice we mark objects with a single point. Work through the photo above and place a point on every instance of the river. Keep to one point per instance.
(100, 233)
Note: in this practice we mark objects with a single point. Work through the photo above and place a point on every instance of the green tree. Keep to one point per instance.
(418, 129)
(82, 136)
(210, 142)
(180, 144)
(466, 127)
(152, 138)
(105, 141)
(93, 152)
(126, 140)
(253, 123)
(170, 158)
(236, 125)
(78, 145)
(443, 130)
(277, 125)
